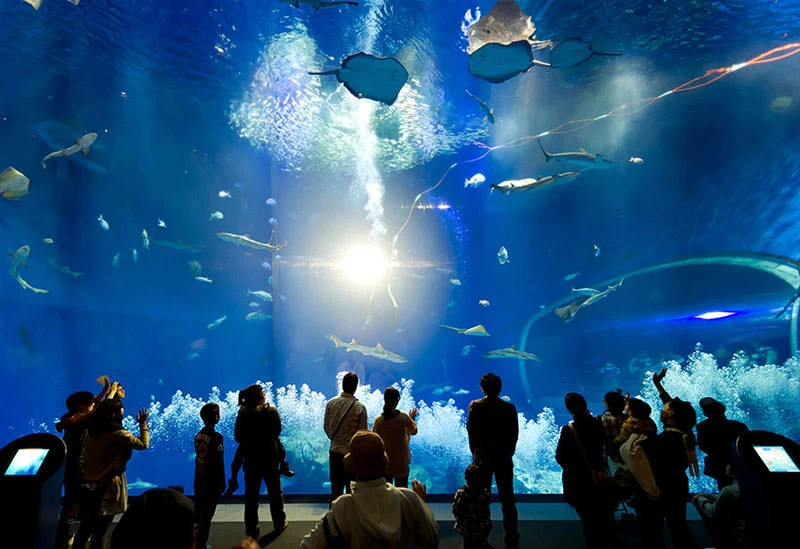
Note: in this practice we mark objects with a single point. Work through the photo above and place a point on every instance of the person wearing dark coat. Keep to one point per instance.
(579, 452)
(716, 437)
(493, 429)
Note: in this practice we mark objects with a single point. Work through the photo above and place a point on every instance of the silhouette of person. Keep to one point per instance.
(716, 436)
(493, 431)
(344, 415)
(396, 428)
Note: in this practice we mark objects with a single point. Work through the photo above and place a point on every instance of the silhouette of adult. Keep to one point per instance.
(161, 518)
(344, 415)
(104, 492)
(716, 436)
(257, 428)
(579, 452)
(493, 429)
(396, 428)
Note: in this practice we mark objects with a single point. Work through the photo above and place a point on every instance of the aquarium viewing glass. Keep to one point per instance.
(195, 197)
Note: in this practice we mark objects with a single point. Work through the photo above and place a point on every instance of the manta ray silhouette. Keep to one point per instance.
(371, 77)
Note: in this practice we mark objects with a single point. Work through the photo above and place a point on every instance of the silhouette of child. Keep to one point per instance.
(638, 421)
(209, 471)
(471, 509)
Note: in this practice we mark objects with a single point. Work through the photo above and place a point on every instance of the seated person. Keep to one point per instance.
(722, 514)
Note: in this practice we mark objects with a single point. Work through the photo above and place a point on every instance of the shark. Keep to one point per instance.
(484, 106)
(586, 160)
(377, 351)
(65, 269)
(510, 352)
(478, 331)
(83, 143)
(178, 245)
(568, 312)
(245, 240)
(20, 259)
(529, 183)
(317, 4)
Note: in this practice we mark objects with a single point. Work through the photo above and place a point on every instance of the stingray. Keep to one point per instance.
(478, 331)
(572, 52)
(504, 24)
(376, 78)
(500, 62)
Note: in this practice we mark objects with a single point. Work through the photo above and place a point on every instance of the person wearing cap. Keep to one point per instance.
(716, 436)
(375, 513)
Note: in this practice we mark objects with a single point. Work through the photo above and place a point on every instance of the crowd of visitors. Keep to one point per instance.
(614, 458)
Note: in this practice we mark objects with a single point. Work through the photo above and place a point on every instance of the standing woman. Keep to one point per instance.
(104, 492)
(579, 452)
(396, 428)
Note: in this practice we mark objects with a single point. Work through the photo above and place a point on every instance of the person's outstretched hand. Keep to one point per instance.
(419, 489)
(142, 416)
(658, 376)
(413, 412)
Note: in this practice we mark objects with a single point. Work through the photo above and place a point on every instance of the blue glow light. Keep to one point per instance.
(714, 315)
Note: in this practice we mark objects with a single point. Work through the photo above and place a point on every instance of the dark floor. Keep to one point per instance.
(542, 526)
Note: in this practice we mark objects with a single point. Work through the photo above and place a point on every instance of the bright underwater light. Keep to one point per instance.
(715, 315)
(364, 264)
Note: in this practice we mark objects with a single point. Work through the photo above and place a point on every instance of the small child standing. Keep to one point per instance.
(471, 509)
(638, 422)
(209, 472)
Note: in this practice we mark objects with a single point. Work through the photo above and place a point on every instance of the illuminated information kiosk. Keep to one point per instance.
(31, 474)
(768, 469)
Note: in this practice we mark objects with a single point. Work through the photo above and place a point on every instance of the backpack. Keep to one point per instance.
(635, 460)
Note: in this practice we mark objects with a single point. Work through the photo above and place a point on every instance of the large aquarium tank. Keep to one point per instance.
(198, 196)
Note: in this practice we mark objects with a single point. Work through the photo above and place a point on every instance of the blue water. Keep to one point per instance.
(193, 98)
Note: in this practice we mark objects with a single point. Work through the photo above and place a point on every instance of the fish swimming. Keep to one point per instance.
(20, 257)
(178, 245)
(317, 4)
(483, 302)
(115, 260)
(13, 184)
(145, 239)
(65, 269)
(82, 144)
(475, 180)
(161, 223)
(477, 331)
(217, 322)
(510, 352)
(140, 484)
(135, 255)
(224, 194)
(216, 215)
(568, 312)
(529, 183)
(257, 315)
(502, 256)
(586, 160)
(467, 349)
(103, 223)
(261, 294)
(245, 240)
(377, 351)
(203, 279)
(484, 106)
(636, 160)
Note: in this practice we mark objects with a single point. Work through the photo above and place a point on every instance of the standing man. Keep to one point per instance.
(344, 415)
(493, 430)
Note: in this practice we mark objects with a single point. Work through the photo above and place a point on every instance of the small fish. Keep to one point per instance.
(455, 282)
(273, 221)
(460, 392)
(483, 302)
(192, 356)
(47, 240)
(115, 260)
(636, 160)
(216, 215)
(217, 322)
(261, 294)
(135, 255)
(257, 315)
(145, 239)
(224, 194)
(475, 180)
(571, 276)
(467, 349)
(271, 201)
(103, 223)
(267, 266)
(502, 256)
(597, 250)
(203, 279)
(161, 223)
(254, 305)
(13, 184)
